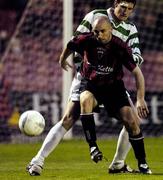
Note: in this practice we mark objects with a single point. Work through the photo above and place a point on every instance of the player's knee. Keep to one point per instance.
(86, 99)
(131, 123)
(133, 127)
(67, 121)
(71, 114)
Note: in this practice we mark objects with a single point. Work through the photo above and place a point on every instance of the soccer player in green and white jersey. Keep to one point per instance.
(122, 28)
(128, 33)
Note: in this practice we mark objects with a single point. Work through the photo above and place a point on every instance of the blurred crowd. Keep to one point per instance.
(10, 13)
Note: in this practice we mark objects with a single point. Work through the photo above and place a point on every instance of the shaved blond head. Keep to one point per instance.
(102, 21)
(102, 29)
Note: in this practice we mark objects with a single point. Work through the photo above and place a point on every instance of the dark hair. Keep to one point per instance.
(129, 1)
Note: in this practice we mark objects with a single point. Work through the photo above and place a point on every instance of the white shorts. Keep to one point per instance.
(74, 94)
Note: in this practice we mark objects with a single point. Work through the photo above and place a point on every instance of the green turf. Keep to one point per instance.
(71, 161)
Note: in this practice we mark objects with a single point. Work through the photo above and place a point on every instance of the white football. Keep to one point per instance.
(31, 123)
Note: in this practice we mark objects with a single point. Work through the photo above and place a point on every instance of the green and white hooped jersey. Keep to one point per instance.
(125, 30)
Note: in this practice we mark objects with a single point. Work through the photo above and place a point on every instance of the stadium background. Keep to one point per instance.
(31, 40)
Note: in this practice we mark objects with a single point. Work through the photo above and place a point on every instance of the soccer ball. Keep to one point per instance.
(31, 123)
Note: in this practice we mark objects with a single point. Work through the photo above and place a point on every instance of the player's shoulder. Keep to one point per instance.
(98, 11)
(129, 26)
(129, 23)
(84, 35)
(101, 11)
(118, 42)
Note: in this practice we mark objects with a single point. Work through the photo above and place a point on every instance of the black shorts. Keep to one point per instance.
(113, 96)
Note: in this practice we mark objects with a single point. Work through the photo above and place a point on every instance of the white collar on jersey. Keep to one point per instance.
(112, 19)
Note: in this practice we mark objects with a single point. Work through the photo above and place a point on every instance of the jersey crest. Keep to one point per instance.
(100, 52)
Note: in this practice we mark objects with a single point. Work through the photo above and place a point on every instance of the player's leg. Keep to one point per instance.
(87, 103)
(57, 132)
(54, 136)
(123, 146)
(135, 137)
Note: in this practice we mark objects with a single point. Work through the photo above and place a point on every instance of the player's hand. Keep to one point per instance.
(65, 65)
(142, 108)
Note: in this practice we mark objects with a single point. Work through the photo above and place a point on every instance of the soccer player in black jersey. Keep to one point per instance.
(104, 56)
(125, 30)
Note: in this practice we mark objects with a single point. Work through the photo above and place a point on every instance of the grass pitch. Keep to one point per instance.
(71, 161)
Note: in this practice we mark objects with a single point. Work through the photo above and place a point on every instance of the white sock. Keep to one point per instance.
(51, 141)
(123, 147)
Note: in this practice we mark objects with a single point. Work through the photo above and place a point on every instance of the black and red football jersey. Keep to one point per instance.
(102, 62)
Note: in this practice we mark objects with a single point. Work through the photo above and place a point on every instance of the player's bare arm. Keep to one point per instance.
(140, 85)
(63, 59)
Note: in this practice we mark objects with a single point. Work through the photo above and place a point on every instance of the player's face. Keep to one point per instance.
(123, 10)
(103, 32)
